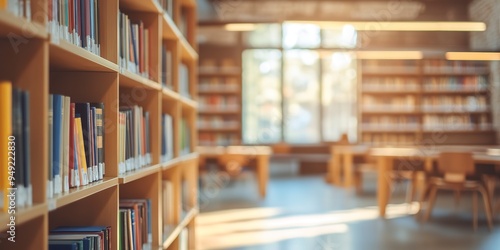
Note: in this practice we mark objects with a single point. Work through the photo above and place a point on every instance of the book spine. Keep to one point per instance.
(71, 131)
(27, 147)
(81, 148)
(5, 134)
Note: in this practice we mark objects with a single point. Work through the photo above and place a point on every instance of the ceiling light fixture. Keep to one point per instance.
(400, 26)
(473, 56)
(390, 55)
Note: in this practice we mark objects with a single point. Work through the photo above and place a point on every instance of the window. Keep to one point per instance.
(303, 92)
(261, 96)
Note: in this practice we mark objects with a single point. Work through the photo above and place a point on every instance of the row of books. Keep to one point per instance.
(135, 139)
(136, 227)
(218, 101)
(166, 67)
(224, 63)
(455, 122)
(456, 83)
(454, 103)
(388, 139)
(21, 8)
(167, 6)
(212, 139)
(217, 87)
(385, 121)
(77, 22)
(390, 84)
(76, 144)
(81, 238)
(217, 122)
(389, 66)
(406, 102)
(185, 137)
(184, 80)
(217, 80)
(448, 66)
(167, 138)
(16, 159)
(134, 46)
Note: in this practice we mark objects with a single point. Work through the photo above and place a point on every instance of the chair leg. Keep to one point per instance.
(423, 198)
(457, 199)
(358, 182)
(410, 192)
(432, 200)
(487, 206)
(474, 210)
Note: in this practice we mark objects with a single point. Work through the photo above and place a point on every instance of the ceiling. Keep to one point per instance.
(224, 11)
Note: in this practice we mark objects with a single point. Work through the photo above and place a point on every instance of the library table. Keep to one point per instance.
(260, 153)
(344, 155)
(385, 163)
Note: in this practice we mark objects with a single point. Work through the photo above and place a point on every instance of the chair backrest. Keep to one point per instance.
(456, 165)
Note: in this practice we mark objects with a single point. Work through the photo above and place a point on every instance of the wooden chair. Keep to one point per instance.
(454, 173)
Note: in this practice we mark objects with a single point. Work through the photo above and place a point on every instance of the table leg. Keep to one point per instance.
(334, 169)
(384, 165)
(263, 174)
(348, 171)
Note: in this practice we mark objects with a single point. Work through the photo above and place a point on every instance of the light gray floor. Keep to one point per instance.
(305, 213)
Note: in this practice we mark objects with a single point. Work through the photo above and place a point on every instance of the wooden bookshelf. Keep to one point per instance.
(44, 65)
(219, 91)
(406, 102)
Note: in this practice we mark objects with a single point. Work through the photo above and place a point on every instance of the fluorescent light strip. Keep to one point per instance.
(239, 26)
(400, 26)
(390, 55)
(473, 56)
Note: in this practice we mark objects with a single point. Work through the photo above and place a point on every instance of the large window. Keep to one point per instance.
(301, 92)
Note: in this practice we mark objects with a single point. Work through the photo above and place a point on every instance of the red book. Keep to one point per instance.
(71, 144)
(87, 19)
(141, 47)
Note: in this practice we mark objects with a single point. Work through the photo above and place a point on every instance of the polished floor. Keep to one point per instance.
(305, 213)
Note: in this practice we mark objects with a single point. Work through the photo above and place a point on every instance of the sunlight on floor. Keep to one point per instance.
(255, 226)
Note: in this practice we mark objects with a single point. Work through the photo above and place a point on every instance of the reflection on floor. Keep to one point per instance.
(305, 213)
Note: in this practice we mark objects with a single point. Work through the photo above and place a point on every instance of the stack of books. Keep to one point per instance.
(135, 139)
(76, 22)
(81, 238)
(76, 148)
(136, 228)
(20, 8)
(15, 137)
(167, 138)
(134, 46)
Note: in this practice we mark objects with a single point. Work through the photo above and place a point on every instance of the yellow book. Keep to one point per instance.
(5, 133)
(82, 167)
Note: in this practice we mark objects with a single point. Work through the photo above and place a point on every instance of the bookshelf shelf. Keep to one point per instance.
(24, 214)
(219, 92)
(143, 6)
(169, 94)
(215, 72)
(454, 92)
(138, 174)
(171, 232)
(66, 56)
(10, 23)
(436, 95)
(234, 129)
(187, 51)
(82, 192)
(188, 103)
(49, 65)
(129, 79)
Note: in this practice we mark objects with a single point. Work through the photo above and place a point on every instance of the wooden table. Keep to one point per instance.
(260, 153)
(343, 155)
(385, 164)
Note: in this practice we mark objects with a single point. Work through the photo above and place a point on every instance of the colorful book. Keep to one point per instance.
(5, 133)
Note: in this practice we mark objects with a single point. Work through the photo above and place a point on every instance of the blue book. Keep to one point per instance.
(101, 230)
(132, 221)
(57, 139)
(134, 43)
(64, 245)
(84, 241)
